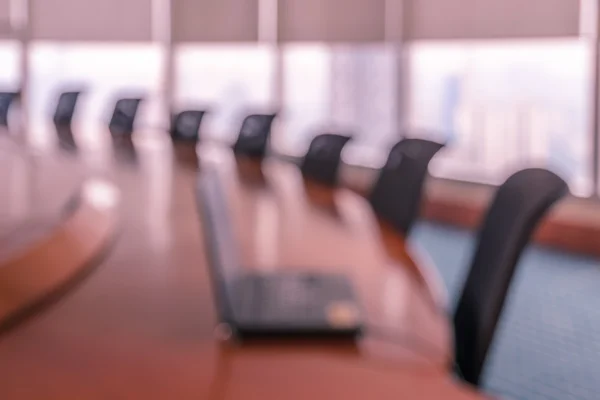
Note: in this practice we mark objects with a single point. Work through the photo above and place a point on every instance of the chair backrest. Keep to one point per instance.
(322, 160)
(419, 149)
(185, 126)
(123, 117)
(254, 135)
(391, 197)
(399, 187)
(519, 205)
(6, 100)
(65, 108)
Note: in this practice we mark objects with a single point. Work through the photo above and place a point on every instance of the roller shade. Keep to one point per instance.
(5, 23)
(215, 20)
(96, 20)
(490, 19)
(332, 20)
(5, 12)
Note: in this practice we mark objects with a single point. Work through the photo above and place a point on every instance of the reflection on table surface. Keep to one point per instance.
(25, 180)
(142, 325)
(38, 180)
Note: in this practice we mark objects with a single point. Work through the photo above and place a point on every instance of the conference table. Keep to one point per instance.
(142, 324)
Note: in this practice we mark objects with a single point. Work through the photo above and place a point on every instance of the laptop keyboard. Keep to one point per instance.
(287, 298)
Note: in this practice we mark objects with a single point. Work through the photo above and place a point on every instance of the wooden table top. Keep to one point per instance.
(142, 325)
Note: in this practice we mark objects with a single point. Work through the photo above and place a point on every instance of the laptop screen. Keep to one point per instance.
(220, 244)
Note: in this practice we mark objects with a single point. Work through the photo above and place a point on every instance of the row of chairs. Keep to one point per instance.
(63, 114)
(185, 125)
(518, 207)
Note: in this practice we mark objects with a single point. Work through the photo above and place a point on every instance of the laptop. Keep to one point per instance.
(296, 304)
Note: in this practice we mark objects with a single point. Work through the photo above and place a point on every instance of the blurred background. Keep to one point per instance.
(505, 83)
(512, 87)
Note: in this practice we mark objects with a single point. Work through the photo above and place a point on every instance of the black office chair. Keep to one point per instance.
(6, 100)
(123, 117)
(396, 196)
(322, 160)
(65, 108)
(419, 149)
(519, 205)
(254, 135)
(185, 126)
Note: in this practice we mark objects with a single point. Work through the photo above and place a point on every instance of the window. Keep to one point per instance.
(231, 81)
(503, 105)
(351, 89)
(104, 72)
(306, 96)
(10, 74)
